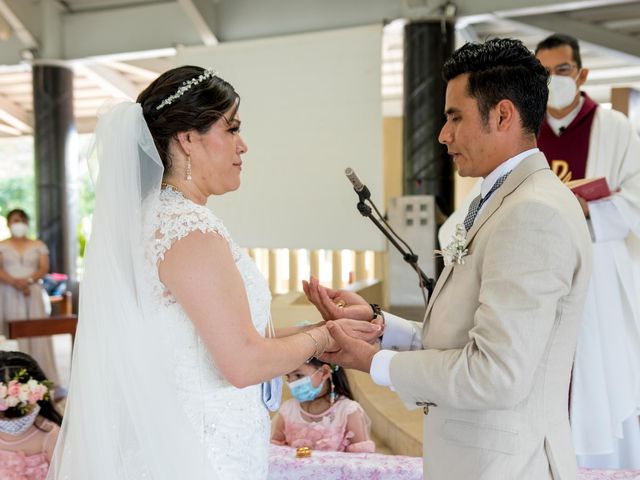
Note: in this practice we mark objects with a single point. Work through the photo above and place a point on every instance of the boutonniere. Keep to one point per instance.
(455, 251)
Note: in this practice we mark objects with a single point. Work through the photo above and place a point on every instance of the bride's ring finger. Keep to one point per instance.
(340, 303)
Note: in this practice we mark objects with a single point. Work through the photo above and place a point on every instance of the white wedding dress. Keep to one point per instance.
(232, 422)
(146, 401)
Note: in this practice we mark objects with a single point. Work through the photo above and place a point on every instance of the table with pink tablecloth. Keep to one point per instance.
(284, 465)
(589, 474)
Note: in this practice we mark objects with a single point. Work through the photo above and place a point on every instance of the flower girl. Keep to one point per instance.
(29, 422)
(322, 414)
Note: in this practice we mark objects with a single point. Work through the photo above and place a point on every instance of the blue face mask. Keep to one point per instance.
(302, 389)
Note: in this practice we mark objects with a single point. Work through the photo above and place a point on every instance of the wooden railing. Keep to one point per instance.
(62, 320)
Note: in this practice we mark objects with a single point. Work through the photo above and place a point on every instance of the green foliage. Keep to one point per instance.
(86, 198)
(86, 202)
(17, 192)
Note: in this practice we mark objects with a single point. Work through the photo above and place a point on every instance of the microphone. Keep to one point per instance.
(561, 130)
(380, 222)
(358, 186)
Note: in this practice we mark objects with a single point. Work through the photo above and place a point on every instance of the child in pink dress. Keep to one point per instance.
(322, 414)
(29, 422)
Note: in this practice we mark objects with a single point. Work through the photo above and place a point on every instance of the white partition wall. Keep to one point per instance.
(311, 106)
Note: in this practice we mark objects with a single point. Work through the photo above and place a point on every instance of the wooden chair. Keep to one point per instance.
(62, 320)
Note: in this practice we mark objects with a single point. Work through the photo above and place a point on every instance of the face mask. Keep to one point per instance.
(302, 389)
(562, 91)
(19, 229)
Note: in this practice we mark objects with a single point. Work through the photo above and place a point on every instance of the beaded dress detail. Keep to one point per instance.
(232, 423)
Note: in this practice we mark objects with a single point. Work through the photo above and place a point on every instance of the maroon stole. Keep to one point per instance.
(567, 153)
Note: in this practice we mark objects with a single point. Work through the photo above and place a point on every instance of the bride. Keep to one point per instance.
(170, 350)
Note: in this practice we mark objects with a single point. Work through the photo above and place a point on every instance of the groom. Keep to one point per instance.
(490, 364)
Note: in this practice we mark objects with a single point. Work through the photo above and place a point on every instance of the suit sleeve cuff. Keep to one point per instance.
(380, 368)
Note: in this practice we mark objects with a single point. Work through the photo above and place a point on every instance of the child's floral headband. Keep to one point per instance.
(21, 393)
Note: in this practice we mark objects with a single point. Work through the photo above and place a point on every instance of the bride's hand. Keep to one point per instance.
(334, 304)
(330, 345)
(368, 331)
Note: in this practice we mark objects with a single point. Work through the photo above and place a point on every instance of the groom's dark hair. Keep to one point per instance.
(500, 69)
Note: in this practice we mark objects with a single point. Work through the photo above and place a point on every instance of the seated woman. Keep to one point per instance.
(322, 414)
(29, 422)
(23, 263)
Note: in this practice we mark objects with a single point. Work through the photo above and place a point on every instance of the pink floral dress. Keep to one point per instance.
(16, 465)
(324, 431)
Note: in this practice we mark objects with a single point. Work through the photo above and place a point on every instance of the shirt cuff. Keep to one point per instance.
(380, 368)
(398, 335)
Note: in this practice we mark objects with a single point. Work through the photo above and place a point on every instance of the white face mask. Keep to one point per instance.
(562, 91)
(19, 229)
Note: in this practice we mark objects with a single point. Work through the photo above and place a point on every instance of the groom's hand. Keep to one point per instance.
(353, 353)
(334, 304)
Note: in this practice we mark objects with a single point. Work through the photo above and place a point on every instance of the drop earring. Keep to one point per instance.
(189, 168)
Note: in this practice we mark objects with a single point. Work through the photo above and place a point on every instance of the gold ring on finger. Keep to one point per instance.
(340, 303)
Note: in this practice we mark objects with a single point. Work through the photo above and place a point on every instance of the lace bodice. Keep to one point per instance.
(232, 422)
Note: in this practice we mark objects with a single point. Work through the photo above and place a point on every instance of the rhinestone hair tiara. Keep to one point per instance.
(186, 86)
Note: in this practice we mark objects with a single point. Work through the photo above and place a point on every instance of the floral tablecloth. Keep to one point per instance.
(284, 465)
(588, 474)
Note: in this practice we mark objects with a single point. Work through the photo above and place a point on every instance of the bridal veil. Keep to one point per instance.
(123, 418)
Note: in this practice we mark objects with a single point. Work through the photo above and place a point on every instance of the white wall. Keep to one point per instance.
(311, 106)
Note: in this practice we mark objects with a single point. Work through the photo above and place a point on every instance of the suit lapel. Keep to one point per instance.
(519, 174)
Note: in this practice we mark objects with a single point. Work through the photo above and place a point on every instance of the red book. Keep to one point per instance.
(590, 188)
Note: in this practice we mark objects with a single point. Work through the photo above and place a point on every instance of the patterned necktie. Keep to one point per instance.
(477, 202)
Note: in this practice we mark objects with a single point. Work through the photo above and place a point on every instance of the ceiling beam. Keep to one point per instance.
(468, 34)
(113, 82)
(615, 43)
(145, 73)
(9, 131)
(127, 29)
(25, 36)
(202, 15)
(510, 8)
(117, 28)
(15, 116)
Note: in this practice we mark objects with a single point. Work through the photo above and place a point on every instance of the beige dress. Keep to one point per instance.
(14, 305)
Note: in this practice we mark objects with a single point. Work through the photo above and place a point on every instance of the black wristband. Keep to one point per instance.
(377, 311)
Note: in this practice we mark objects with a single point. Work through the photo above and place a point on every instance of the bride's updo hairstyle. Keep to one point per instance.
(197, 108)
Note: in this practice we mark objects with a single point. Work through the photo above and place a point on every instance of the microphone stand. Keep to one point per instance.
(409, 257)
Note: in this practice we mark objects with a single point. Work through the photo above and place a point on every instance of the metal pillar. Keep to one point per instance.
(55, 147)
(427, 168)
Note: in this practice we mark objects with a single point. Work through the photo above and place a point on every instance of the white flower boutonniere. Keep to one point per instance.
(455, 251)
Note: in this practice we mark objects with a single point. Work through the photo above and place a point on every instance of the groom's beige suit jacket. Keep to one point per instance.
(499, 337)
